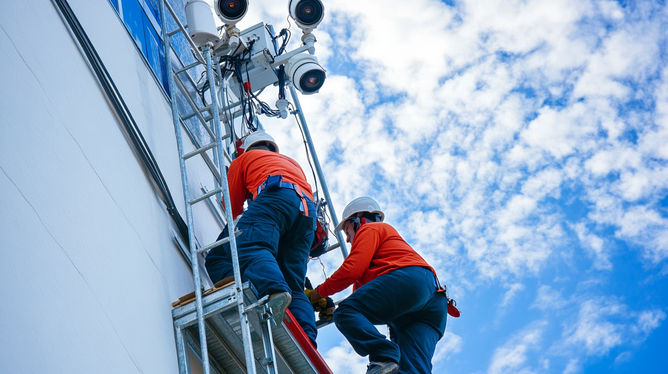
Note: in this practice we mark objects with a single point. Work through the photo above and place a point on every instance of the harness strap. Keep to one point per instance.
(303, 208)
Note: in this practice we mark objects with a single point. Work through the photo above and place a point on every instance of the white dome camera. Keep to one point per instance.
(201, 25)
(305, 73)
(307, 13)
(230, 11)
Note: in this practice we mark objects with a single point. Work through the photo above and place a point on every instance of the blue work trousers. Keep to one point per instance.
(406, 300)
(273, 249)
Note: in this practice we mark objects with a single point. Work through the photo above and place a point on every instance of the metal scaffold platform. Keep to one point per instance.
(224, 335)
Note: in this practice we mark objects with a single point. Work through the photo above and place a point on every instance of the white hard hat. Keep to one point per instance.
(360, 205)
(256, 137)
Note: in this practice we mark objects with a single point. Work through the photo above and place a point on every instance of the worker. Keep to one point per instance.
(392, 285)
(277, 229)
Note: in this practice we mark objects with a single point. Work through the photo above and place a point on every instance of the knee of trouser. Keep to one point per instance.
(343, 314)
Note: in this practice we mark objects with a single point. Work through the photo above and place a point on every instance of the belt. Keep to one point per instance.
(302, 208)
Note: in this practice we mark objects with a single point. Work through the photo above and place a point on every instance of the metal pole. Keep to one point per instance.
(318, 169)
(243, 317)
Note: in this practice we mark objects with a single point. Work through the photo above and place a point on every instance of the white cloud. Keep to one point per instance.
(591, 331)
(548, 299)
(603, 324)
(342, 359)
(512, 355)
(623, 357)
(648, 228)
(595, 245)
(572, 367)
(449, 345)
(650, 320)
(513, 290)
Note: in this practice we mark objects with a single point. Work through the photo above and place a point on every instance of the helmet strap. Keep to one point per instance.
(357, 223)
(365, 217)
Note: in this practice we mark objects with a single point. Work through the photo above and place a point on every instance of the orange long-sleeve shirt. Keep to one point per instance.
(377, 249)
(251, 169)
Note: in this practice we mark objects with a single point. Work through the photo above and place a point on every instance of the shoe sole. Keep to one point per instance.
(278, 303)
(391, 371)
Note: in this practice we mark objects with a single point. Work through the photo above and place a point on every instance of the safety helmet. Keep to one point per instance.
(257, 137)
(360, 205)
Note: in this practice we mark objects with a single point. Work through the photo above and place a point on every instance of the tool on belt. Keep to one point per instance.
(320, 239)
(452, 304)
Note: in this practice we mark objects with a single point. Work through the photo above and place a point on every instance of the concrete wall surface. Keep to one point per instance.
(88, 267)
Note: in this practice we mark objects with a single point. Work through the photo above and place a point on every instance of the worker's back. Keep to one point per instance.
(252, 168)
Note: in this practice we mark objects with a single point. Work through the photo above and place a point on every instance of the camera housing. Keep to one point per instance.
(201, 25)
(230, 11)
(305, 73)
(258, 70)
(307, 13)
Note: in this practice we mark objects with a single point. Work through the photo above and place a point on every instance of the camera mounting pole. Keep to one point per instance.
(318, 169)
(309, 40)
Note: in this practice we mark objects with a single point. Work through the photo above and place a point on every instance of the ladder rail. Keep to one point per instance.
(184, 179)
(245, 325)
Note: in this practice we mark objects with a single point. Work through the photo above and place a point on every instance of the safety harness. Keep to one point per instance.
(274, 182)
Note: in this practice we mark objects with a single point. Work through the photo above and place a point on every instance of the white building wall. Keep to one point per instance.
(88, 267)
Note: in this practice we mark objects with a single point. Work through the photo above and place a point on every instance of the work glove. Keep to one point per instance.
(319, 304)
(327, 314)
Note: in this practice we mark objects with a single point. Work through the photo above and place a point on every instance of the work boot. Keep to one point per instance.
(389, 367)
(278, 302)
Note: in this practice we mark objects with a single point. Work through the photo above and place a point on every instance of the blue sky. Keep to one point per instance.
(520, 147)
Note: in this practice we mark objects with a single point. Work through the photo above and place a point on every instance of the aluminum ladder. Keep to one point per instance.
(209, 118)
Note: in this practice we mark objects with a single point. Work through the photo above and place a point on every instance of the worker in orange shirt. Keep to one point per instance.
(277, 229)
(392, 285)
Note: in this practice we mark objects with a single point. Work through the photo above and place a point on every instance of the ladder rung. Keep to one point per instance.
(220, 242)
(198, 151)
(187, 67)
(205, 196)
(172, 33)
(200, 111)
(262, 301)
(331, 248)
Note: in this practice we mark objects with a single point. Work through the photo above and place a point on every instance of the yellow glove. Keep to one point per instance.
(326, 315)
(319, 304)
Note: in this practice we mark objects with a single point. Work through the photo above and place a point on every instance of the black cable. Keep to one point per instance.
(281, 82)
(121, 108)
(286, 38)
(205, 86)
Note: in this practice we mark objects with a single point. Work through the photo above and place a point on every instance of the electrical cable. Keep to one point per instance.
(120, 107)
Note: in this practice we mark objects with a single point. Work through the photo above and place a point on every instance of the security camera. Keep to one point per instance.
(201, 25)
(230, 11)
(307, 13)
(305, 73)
